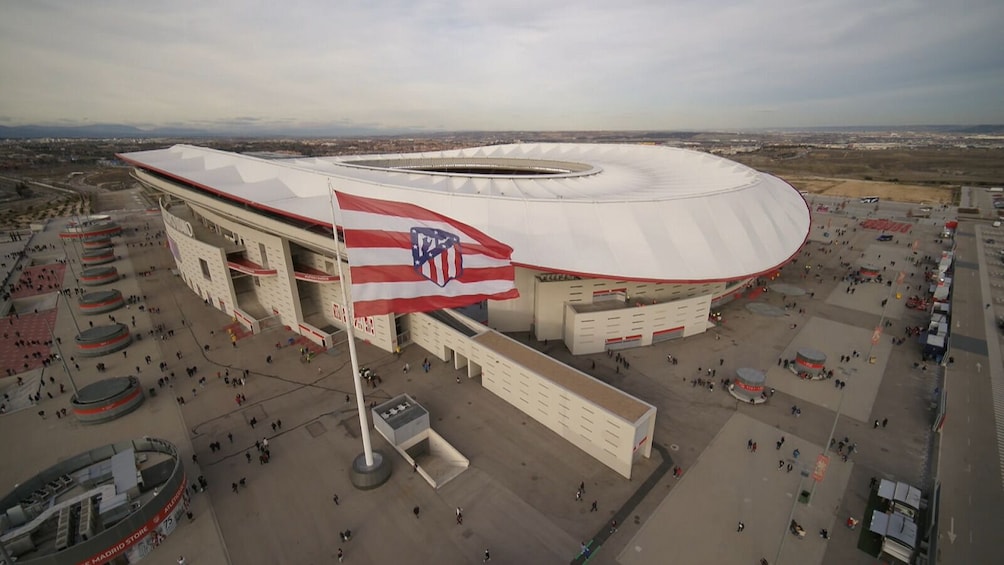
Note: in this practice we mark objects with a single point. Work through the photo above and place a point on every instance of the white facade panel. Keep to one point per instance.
(633, 326)
(605, 436)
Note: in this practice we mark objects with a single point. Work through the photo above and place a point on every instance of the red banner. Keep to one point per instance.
(822, 462)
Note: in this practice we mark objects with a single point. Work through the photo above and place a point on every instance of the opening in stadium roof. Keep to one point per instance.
(479, 166)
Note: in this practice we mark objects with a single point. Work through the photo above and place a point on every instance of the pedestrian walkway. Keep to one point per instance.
(696, 522)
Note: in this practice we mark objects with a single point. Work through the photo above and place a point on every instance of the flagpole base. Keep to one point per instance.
(366, 477)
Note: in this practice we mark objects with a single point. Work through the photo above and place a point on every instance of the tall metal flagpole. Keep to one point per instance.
(349, 330)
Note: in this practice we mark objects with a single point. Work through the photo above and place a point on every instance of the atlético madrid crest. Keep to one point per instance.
(436, 255)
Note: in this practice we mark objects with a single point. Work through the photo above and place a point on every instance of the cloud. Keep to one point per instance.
(513, 65)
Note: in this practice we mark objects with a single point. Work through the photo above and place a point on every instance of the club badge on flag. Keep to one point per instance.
(404, 258)
(437, 255)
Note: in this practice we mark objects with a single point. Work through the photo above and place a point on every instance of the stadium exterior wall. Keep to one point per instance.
(634, 325)
(196, 234)
(211, 230)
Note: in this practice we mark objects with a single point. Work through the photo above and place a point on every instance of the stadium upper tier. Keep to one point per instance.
(626, 212)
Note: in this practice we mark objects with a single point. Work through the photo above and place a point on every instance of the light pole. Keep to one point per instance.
(791, 515)
(59, 350)
(73, 317)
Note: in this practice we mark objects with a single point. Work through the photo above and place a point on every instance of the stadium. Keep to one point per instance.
(615, 245)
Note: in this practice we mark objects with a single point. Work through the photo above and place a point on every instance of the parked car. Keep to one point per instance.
(884, 237)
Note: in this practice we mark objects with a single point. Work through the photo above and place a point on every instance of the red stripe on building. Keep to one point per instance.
(112, 406)
(102, 343)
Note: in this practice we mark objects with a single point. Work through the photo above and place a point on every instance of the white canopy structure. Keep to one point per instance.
(625, 212)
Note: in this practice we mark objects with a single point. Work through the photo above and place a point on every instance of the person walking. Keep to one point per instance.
(460, 515)
(593, 507)
(488, 557)
(335, 499)
(181, 560)
(416, 510)
(741, 527)
(341, 555)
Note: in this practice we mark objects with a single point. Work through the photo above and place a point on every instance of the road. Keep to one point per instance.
(970, 460)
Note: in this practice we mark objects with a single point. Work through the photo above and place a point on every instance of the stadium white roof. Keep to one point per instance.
(626, 212)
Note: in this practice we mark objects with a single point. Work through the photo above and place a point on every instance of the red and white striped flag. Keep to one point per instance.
(404, 258)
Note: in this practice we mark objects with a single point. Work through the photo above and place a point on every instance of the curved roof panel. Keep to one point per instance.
(629, 212)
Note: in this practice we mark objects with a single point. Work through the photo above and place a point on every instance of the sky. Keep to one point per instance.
(420, 65)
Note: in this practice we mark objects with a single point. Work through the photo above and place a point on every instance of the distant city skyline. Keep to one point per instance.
(399, 66)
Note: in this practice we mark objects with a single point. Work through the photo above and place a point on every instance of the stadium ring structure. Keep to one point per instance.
(671, 233)
(112, 504)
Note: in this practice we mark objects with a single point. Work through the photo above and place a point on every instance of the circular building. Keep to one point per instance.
(107, 399)
(749, 386)
(113, 504)
(96, 276)
(809, 363)
(102, 340)
(97, 256)
(702, 228)
(99, 302)
(91, 228)
(97, 243)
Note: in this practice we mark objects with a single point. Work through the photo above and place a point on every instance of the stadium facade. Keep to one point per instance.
(615, 246)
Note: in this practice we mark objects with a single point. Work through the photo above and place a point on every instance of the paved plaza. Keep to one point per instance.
(518, 495)
(731, 484)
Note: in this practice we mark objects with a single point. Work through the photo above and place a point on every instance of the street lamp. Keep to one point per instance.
(59, 351)
(791, 515)
(73, 317)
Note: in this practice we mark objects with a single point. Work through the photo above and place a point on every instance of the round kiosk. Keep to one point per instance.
(94, 227)
(95, 276)
(107, 400)
(748, 386)
(98, 256)
(809, 363)
(114, 503)
(97, 242)
(869, 272)
(100, 302)
(102, 340)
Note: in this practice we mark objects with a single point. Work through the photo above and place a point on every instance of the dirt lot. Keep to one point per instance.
(898, 192)
(942, 166)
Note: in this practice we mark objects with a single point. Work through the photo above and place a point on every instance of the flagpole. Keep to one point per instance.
(376, 470)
